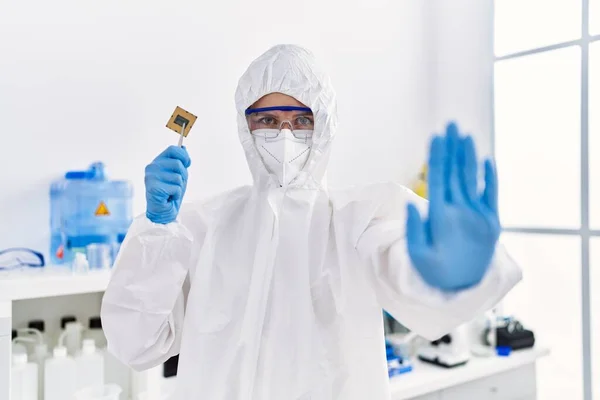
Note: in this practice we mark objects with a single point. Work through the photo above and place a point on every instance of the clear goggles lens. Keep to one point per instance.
(268, 122)
(19, 257)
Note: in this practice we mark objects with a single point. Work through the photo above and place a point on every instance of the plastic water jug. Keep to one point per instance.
(85, 209)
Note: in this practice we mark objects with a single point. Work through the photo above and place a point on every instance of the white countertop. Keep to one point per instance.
(31, 283)
(426, 378)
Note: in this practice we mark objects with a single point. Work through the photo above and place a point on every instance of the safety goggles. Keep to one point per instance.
(20, 257)
(268, 122)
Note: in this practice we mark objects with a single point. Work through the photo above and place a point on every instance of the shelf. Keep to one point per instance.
(426, 378)
(49, 282)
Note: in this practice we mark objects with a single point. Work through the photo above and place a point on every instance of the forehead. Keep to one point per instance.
(276, 99)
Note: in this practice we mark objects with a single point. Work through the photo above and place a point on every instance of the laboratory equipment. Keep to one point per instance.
(39, 353)
(64, 320)
(482, 334)
(511, 333)
(18, 257)
(100, 392)
(397, 363)
(24, 378)
(503, 351)
(95, 332)
(114, 371)
(60, 375)
(99, 255)
(118, 373)
(38, 326)
(86, 208)
(80, 264)
(18, 347)
(451, 350)
(90, 366)
(72, 337)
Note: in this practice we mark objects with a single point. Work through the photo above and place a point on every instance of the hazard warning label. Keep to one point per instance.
(102, 210)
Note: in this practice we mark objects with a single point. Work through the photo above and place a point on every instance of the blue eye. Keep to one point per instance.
(304, 122)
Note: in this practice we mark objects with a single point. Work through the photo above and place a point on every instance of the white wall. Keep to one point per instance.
(462, 64)
(84, 81)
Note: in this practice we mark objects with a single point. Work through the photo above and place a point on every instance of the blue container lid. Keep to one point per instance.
(503, 351)
(94, 172)
(84, 240)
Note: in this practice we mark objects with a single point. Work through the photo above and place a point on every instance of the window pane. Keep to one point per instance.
(537, 134)
(594, 135)
(548, 301)
(595, 313)
(528, 24)
(595, 17)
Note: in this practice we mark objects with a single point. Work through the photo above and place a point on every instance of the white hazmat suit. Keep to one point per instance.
(276, 293)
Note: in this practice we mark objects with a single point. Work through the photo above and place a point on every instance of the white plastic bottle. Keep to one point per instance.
(60, 374)
(90, 366)
(118, 373)
(73, 337)
(17, 346)
(39, 354)
(63, 325)
(24, 379)
(36, 327)
(95, 332)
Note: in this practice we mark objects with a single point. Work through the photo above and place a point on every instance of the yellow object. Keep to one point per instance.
(179, 118)
(102, 210)
(420, 187)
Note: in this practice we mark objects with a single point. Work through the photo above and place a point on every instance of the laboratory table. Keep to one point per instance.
(497, 378)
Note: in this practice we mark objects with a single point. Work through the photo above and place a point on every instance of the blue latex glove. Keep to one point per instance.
(166, 181)
(453, 248)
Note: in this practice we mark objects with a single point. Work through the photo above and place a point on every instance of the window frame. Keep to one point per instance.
(585, 233)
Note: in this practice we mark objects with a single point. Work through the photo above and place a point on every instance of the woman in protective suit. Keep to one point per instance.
(274, 291)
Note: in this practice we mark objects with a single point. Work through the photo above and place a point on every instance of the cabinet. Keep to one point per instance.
(19, 287)
(518, 384)
(494, 378)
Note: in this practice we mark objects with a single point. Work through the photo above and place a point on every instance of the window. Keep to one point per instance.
(541, 307)
(546, 105)
(595, 312)
(527, 24)
(594, 136)
(537, 138)
(595, 17)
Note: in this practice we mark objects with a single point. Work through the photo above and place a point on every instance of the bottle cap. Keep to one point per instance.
(88, 346)
(95, 323)
(13, 334)
(66, 319)
(60, 352)
(20, 359)
(37, 324)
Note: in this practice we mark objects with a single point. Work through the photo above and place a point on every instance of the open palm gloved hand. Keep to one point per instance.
(453, 248)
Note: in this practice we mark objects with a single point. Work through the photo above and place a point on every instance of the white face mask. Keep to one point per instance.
(285, 155)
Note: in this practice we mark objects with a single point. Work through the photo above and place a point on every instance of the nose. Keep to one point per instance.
(286, 125)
